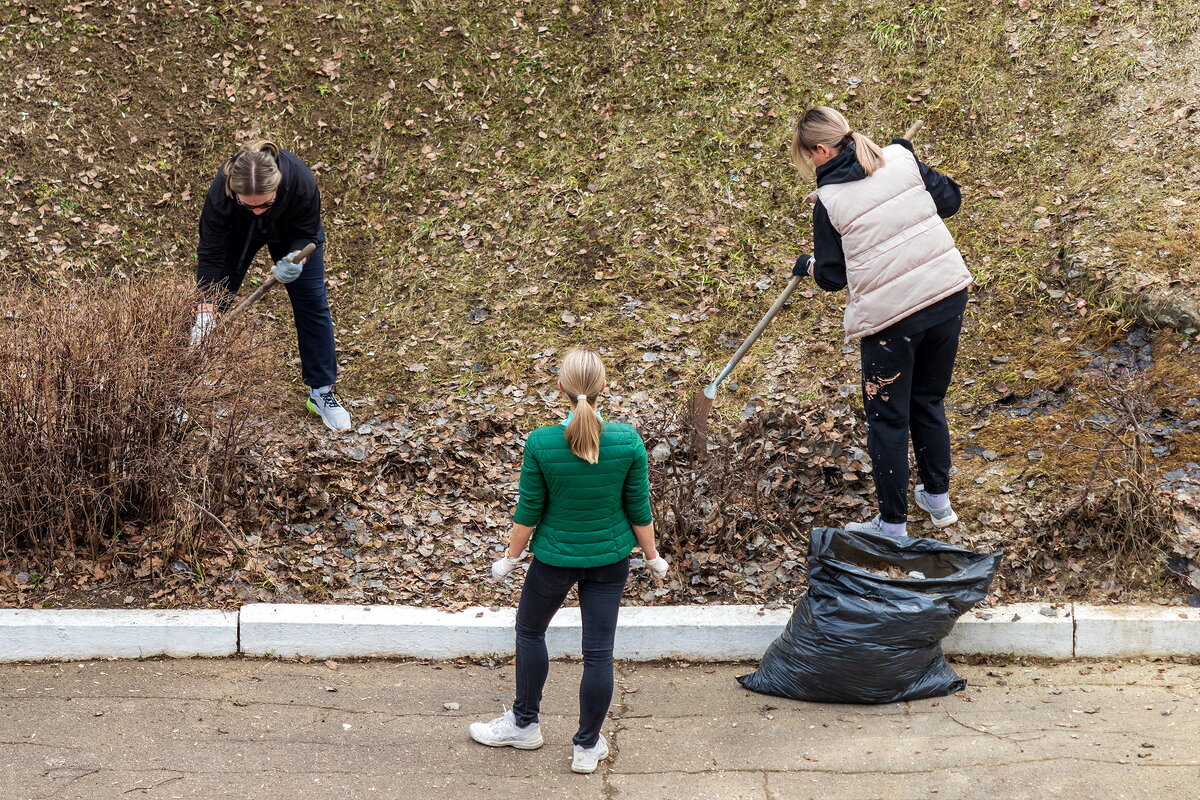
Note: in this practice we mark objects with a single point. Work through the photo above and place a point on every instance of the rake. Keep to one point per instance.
(701, 404)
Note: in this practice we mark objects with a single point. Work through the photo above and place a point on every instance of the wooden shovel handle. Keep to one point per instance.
(266, 285)
(913, 129)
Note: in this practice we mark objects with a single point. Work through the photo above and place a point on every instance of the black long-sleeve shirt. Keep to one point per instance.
(227, 227)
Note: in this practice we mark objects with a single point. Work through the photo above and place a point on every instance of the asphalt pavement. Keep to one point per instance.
(247, 729)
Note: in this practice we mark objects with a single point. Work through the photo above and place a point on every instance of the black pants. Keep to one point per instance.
(545, 589)
(904, 387)
(310, 308)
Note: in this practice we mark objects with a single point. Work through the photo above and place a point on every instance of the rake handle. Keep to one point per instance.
(711, 390)
(267, 284)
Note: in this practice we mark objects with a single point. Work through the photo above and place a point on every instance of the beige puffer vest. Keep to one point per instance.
(900, 256)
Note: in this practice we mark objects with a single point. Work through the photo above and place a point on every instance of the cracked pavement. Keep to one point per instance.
(246, 729)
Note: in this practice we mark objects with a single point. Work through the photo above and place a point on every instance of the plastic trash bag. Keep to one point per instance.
(862, 636)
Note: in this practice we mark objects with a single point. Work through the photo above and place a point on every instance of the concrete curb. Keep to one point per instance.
(1020, 629)
(694, 633)
(72, 634)
(1131, 631)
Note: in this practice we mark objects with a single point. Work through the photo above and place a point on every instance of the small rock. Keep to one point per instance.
(450, 706)
(990, 455)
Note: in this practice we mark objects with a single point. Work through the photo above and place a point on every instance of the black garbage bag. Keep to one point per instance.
(859, 636)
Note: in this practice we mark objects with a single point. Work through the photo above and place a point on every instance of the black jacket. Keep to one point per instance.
(829, 259)
(226, 228)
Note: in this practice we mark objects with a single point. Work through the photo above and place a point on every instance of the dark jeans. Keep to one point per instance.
(904, 387)
(310, 308)
(545, 589)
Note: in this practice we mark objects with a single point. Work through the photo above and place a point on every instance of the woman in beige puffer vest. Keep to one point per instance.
(878, 233)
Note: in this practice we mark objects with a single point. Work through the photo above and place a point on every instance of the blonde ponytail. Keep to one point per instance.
(254, 169)
(824, 125)
(581, 375)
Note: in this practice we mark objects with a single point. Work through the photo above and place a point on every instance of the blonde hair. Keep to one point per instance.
(253, 169)
(581, 375)
(824, 125)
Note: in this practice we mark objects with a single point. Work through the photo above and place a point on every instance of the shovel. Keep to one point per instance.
(271, 280)
(700, 406)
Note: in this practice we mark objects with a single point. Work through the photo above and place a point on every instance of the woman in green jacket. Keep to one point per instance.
(585, 501)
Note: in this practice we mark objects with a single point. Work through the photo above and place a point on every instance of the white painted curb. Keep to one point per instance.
(643, 634)
(1021, 629)
(698, 633)
(331, 631)
(695, 633)
(1132, 631)
(52, 634)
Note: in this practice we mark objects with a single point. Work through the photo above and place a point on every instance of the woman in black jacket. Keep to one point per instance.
(878, 232)
(265, 195)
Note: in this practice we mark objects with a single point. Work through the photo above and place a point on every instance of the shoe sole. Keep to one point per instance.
(517, 745)
(938, 523)
(311, 406)
(586, 770)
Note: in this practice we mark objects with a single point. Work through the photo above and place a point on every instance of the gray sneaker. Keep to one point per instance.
(874, 526)
(586, 759)
(940, 517)
(327, 406)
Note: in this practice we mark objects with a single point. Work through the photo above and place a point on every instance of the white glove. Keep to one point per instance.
(287, 270)
(504, 565)
(203, 326)
(658, 565)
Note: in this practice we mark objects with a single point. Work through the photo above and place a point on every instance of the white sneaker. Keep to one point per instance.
(940, 517)
(327, 406)
(874, 526)
(504, 732)
(586, 759)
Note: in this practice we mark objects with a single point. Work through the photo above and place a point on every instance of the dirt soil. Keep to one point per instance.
(503, 182)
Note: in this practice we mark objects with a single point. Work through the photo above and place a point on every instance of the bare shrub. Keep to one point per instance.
(765, 479)
(1120, 517)
(108, 418)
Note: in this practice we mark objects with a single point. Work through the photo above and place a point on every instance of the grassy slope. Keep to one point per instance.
(612, 174)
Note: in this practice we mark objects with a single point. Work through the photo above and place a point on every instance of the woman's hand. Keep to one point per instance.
(503, 567)
(286, 270)
(206, 321)
(658, 566)
(803, 265)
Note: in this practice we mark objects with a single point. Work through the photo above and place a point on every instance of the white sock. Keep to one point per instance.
(317, 391)
(937, 501)
(894, 528)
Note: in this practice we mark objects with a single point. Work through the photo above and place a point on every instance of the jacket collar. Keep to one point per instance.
(571, 416)
(842, 168)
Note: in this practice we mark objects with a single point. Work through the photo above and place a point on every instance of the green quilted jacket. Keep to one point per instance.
(582, 512)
